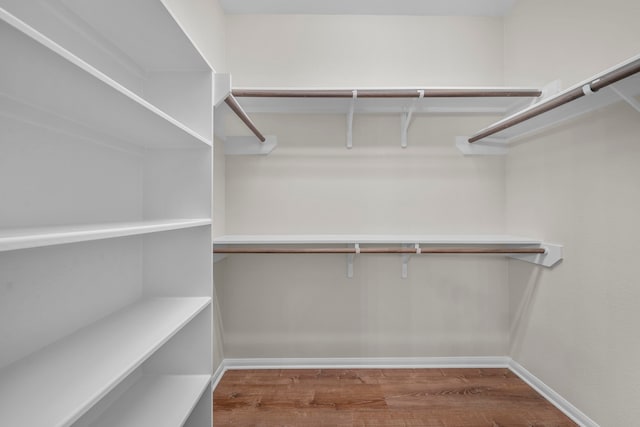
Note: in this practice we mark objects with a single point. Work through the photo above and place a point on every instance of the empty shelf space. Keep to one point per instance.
(12, 239)
(40, 78)
(156, 400)
(83, 367)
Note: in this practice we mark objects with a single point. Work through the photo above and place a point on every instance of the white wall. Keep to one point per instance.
(316, 50)
(304, 306)
(575, 326)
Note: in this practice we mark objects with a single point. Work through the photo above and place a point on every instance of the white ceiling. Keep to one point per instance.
(370, 7)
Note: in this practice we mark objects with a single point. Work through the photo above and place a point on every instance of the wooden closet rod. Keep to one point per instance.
(384, 93)
(451, 250)
(236, 108)
(578, 92)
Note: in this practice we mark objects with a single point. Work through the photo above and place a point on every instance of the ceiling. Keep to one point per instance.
(370, 7)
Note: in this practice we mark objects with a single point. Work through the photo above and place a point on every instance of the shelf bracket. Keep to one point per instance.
(405, 119)
(350, 258)
(249, 146)
(486, 147)
(629, 99)
(551, 256)
(218, 257)
(350, 120)
(406, 258)
(221, 88)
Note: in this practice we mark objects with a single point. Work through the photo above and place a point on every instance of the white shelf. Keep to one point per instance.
(629, 87)
(12, 239)
(112, 29)
(41, 78)
(158, 401)
(427, 105)
(321, 239)
(58, 384)
(551, 256)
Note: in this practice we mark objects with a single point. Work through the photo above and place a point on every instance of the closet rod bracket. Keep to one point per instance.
(350, 258)
(405, 119)
(628, 99)
(551, 256)
(407, 257)
(487, 147)
(352, 108)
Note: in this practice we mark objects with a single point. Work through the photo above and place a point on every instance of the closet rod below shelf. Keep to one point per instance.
(450, 250)
(385, 93)
(571, 95)
(239, 111)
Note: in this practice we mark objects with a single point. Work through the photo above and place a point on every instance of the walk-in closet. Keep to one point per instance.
(338, 213)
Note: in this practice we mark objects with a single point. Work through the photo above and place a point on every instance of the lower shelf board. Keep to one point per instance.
(84, 366)
(156, 400)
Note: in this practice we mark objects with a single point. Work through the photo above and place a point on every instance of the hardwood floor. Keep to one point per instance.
(381, 397)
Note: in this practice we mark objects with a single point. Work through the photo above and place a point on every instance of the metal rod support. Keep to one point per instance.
(529, 114)
(237, 109)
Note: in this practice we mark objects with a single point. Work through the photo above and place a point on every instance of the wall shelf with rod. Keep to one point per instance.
(619, 83)
(525, 249)
(349, 101)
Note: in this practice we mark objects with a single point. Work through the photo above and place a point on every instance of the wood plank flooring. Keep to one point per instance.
(381, 397)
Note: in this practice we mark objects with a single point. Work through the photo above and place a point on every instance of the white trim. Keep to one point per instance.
(217, 375)
(368, 362)
(551, 395)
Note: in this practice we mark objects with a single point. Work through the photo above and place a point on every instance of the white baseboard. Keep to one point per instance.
(551, 395)
(369, 362)
(217, 375)
(411, 362)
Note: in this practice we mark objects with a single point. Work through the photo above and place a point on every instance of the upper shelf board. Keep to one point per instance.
(39, 78)
(430, 239)
(386, 100)
(587, 101)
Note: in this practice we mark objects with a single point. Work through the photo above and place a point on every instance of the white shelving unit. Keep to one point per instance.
(105, 231)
